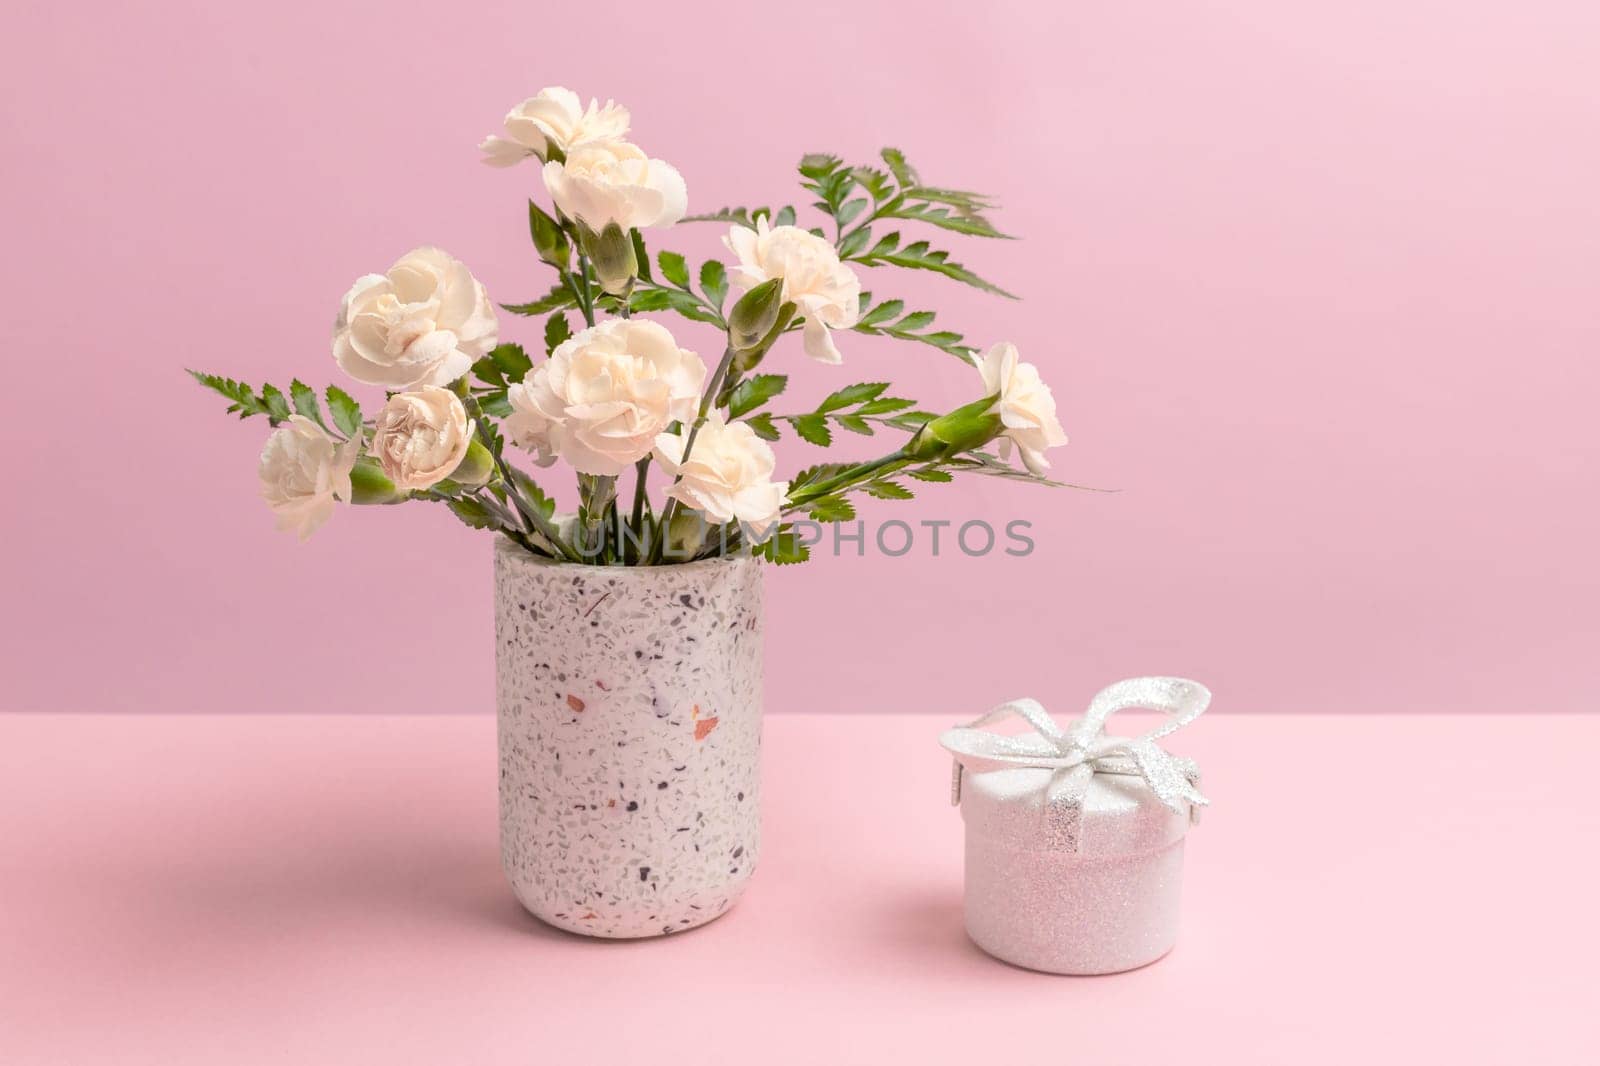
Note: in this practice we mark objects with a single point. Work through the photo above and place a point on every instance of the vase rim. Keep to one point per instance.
(504, 545)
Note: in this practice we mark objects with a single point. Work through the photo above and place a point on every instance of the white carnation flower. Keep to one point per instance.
(555, 117)
(303, 470)
(1027, 408)
(614, 181)
(728, 475)
(604, 395)
(420, 437)
(823, 289)
(423, 323)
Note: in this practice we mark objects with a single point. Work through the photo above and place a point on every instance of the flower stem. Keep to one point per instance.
(670, 512)
(598, 493)
(582, 293)
(527, 514)
(846, 479)
(642, 468)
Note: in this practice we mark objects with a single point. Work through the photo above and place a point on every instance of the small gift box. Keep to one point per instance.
(1074, 839)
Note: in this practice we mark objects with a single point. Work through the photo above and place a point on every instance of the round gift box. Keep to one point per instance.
(1049, 890)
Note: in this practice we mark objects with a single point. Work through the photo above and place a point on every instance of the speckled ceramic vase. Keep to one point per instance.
(630, 739)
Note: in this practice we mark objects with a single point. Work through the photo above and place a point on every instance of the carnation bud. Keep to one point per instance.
(686, 536)
(370, 485)
(475, 468)
(549, 240)
(965, 429)
(611, 251)
(753, 317)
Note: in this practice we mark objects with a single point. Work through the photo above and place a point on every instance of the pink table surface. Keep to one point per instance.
(327, 889)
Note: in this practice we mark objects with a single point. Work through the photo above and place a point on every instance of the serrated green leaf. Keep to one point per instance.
(875, 181)
(916, 320)
(813, 474)
(855, 424)
(850, 209)
(686, 304)
(554, 300)
(813, 429)
(243, 398)
(818, 165)
(488, 372)
(556, 331)
(674, 268)
(784, 217)
(955, 197)
(882, 313)
(851, 395)
(344, 409)
(495, 404)
(887, 490)
(536, 497)
(896, 162)
(714, 282)
(472, 512)
(511, 361)
(762, 424)
(959, 220)
(854, 241)
(304, 399)
(752, 392)
(784, 547)
(738, 215)
(886, 244)
(930, 474)
(884, 405)
(277, 406)
(919, 256)
(831, 509)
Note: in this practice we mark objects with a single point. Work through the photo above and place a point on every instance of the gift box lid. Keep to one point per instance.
(1078, 788)
(1118, 814)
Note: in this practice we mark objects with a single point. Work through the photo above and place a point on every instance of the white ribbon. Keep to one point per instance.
(1083, 749)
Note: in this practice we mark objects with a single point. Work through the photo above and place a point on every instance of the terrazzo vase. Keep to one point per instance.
(629, 706)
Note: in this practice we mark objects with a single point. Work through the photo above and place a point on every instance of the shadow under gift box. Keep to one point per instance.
(1051, 890)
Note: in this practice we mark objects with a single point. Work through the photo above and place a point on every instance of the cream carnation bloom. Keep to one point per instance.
(420, 437)
(728, 475)
(614, 181)
(303, 470)
(604, 395)
(422, 323)
(555, 117)
(1027, 409)
(822, 288)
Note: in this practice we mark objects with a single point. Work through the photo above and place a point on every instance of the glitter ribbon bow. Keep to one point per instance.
(1083, 749)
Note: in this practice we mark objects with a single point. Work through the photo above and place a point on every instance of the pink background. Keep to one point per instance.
(1314, 283)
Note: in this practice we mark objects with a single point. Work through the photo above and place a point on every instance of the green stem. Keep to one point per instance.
(670, 512)
(887, 420)
(847, 479)
(509, 525)
(713, 313)
(582, 293)
(529, 515)
(597, 493)
(641, 469)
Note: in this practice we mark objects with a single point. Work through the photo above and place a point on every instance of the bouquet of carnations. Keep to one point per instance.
(610, 391)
